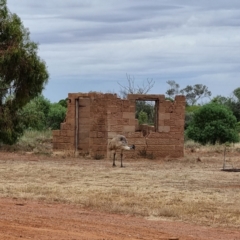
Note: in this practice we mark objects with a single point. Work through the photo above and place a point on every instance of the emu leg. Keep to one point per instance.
(114, 165)
(121, 160)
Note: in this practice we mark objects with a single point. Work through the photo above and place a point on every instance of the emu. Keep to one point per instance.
(119, 142)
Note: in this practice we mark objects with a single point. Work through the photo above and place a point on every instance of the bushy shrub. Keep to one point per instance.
(56, 116)
(34, 114)
(142, 117)
(213, 123)
(238, 127)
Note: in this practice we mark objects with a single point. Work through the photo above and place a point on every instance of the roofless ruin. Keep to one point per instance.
(92, 119)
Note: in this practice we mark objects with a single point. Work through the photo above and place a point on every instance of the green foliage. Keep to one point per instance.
(194, 93)
(23, 74)
(10, 126)
(63, 102)
(173, 89)
(56, 116)
(142, 117)
(189, 114)
(238, 127)
(233, 103)
(213, 123)
(34, 114)
(188, 118)
(192, 108)
(145, 112)
(40, 114)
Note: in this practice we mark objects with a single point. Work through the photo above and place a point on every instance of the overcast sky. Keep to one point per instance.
(90, 45)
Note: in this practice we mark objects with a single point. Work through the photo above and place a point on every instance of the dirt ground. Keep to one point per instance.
(20, 219)
(29, 219)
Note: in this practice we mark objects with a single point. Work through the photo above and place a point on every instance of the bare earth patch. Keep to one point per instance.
(45, 197)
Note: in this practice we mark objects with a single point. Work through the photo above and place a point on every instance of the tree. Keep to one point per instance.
(131, 88)
(35, 113)
(40, 114)
(56, 116)
(23, 74)
(233, 102)
(213, 123)
(194, 93)
(236, 93)
(63, 102)
(173, 90)
(142, 107)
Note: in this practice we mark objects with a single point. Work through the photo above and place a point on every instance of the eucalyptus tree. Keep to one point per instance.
(23, 74)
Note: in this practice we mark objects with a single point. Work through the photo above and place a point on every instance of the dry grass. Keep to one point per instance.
(32, 141)
(185, 189)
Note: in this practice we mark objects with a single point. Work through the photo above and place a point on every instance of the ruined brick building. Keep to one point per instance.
(92, 119)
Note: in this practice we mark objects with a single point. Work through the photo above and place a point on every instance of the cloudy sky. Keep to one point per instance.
(90, 45)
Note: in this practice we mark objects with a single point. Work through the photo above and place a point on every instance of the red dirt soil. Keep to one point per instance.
(20, 219)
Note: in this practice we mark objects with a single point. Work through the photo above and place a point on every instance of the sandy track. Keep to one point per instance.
(21, 219)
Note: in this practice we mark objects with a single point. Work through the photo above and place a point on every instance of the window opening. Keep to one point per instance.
(147, 115)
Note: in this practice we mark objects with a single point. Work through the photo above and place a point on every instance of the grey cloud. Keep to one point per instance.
(187, 41)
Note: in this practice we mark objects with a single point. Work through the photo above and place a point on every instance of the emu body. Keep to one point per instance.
(119, 143)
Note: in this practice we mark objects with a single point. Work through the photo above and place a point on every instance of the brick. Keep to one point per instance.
(177, 154)
(98, 128)
(126, 103)
(169, 122)
(113, 109)
(116, 128)
(140, 147)
(177, 141)
(70, 133)
(179, 148)
(132, 109)
(129, 115)
(163, 116)
(161, 148)
(83, 121)
(55, 145)
(93, 134)
(129, 128)
(137, 141)
(116, 115)
(65, 139)
(95, 148)
(84, 114)
(83, 146)
(84, 135)
(163, 128)
(99, 141)
(133, 134)
(177, 129)
(56, 132)
(161, 109)
(63, 133)
(113, 121)
(84, 101)
(175, 135)
(131, 122)
(101, 134)
(180, 98)
(110, 135)
(160, 122)
(110, 95)
(158, 141)
(161, 154)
